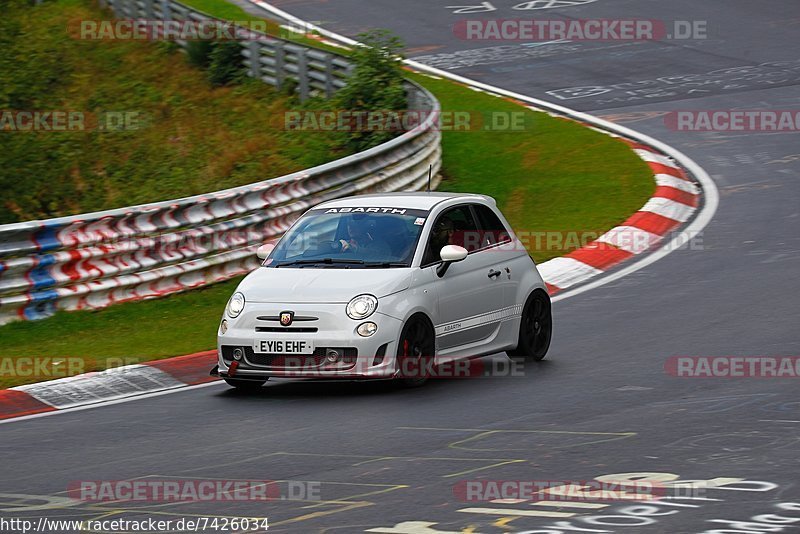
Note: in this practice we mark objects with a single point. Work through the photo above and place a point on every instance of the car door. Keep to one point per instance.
(470, 292)
(496, 239)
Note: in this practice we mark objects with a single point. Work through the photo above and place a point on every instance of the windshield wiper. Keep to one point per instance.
(327, 261)
(385, 264)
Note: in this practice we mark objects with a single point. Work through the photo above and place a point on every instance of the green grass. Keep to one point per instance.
(555, 175)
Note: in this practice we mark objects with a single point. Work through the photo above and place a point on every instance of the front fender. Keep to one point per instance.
(420, 297)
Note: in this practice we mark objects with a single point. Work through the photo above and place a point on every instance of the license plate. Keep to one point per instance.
(283, 346)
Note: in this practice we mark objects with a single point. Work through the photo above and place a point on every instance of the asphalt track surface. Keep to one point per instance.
(601, 405)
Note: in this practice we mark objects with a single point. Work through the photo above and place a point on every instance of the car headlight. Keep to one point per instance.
(235, 305)
(361, 307)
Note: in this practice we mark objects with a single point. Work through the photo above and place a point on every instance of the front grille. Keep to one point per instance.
(277, 318)
(282, 361)
(281, 330)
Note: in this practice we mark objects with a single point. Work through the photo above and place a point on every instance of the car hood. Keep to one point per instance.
(329, 286)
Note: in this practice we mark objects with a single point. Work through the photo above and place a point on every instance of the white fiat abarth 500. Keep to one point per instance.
(385, 286)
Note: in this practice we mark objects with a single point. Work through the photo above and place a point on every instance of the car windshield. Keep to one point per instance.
(351, 237)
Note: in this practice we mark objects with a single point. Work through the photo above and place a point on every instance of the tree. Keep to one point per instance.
(376, 83)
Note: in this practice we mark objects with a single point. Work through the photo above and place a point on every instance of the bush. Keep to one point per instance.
(289, 87)
(225, 64)
(376, 84)
(199, 53)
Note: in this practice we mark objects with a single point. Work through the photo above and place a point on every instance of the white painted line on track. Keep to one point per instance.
(545, 43)
(570, 504)
(516, 511)
(777, 421)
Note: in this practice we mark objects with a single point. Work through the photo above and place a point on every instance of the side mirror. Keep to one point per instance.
(264, 251)
(453, 253)
(450, 254)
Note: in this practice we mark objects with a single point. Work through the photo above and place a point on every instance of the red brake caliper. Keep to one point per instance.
(405, 356)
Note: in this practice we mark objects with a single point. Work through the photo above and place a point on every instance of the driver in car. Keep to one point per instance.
(361, 238)
(442, 234)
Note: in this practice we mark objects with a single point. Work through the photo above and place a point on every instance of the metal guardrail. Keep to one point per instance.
(93, 260)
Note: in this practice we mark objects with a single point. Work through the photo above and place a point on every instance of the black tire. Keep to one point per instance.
(246, 385)
(415, 352)
(535, 329)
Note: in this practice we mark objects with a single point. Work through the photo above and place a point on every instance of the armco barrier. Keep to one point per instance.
(93, 260)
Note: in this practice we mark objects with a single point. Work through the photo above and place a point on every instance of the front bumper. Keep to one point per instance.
(326, 326)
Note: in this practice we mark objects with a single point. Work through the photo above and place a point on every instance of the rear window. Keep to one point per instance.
(492, 229)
